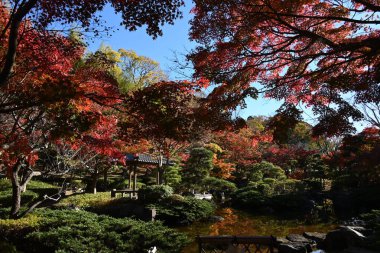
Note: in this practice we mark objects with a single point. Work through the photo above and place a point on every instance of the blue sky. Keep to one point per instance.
(175, 39)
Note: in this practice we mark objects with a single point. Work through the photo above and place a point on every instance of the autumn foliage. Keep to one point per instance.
(309, 52)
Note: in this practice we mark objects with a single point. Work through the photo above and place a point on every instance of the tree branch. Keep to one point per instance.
(10, 57)
(368, 5)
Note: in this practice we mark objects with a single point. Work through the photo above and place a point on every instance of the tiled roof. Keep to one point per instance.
(145, 158)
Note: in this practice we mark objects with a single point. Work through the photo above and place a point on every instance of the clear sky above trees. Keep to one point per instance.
(175, 41)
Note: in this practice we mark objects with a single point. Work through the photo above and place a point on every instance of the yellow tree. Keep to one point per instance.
(133, 71)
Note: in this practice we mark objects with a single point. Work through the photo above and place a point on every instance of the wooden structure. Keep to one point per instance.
(246, 244)
(130, 192)
(133, 161)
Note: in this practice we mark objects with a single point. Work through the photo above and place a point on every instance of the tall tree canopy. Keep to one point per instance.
(132, 71)
(302, 51)
(40, 14)
(49, 95)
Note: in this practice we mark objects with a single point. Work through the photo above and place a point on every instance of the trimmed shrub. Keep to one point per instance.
(178, 210)
(154, 193)
(219, 185)
(299, 203)
(249, 197)
(81, 231)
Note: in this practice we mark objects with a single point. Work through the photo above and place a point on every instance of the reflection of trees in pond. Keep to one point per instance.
(240, 223)
(225, 226)
(236, 223)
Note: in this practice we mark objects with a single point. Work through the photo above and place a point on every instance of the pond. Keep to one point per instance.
(237, 222)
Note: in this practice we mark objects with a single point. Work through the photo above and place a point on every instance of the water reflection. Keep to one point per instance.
(242, 223)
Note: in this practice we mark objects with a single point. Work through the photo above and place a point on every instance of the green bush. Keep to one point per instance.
(81, 231)
(178, 210)
(299, 203)
(5, 184)
(154, 193)
(249, 197)
(219, 185)
(289, 186)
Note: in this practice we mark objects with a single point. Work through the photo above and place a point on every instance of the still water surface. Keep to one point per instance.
(238, 222)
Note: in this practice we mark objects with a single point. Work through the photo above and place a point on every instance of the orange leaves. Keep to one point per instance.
(222, 169)
(242, 147)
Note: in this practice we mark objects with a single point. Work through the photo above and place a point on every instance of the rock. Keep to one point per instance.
(294, 247)
(216, 218)
(281, 240)
(73, 207)
(343, 238)
(355, 222)
(299, 238)
(152, 250)
(353, 231)
(319, 238)
(298, 243)
(364, 231)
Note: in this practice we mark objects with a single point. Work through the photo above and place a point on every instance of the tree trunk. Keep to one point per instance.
(16, 191)
(105, 176)
(10, 57)
(94, 181)
(26, 177)
(16, 201)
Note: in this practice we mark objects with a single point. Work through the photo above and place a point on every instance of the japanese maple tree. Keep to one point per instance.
(43, 13)
(50, 96)
(301, 51)
(357, 159)
(164, 114)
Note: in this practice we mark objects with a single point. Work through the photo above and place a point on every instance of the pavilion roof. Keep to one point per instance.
(145, 159)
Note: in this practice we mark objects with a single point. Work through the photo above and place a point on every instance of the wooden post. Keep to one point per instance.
(158, 175)
(134, 179)
(159, 179)
(130, 177)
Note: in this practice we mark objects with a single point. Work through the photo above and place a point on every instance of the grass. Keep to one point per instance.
(86, 200)
(35, 191)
